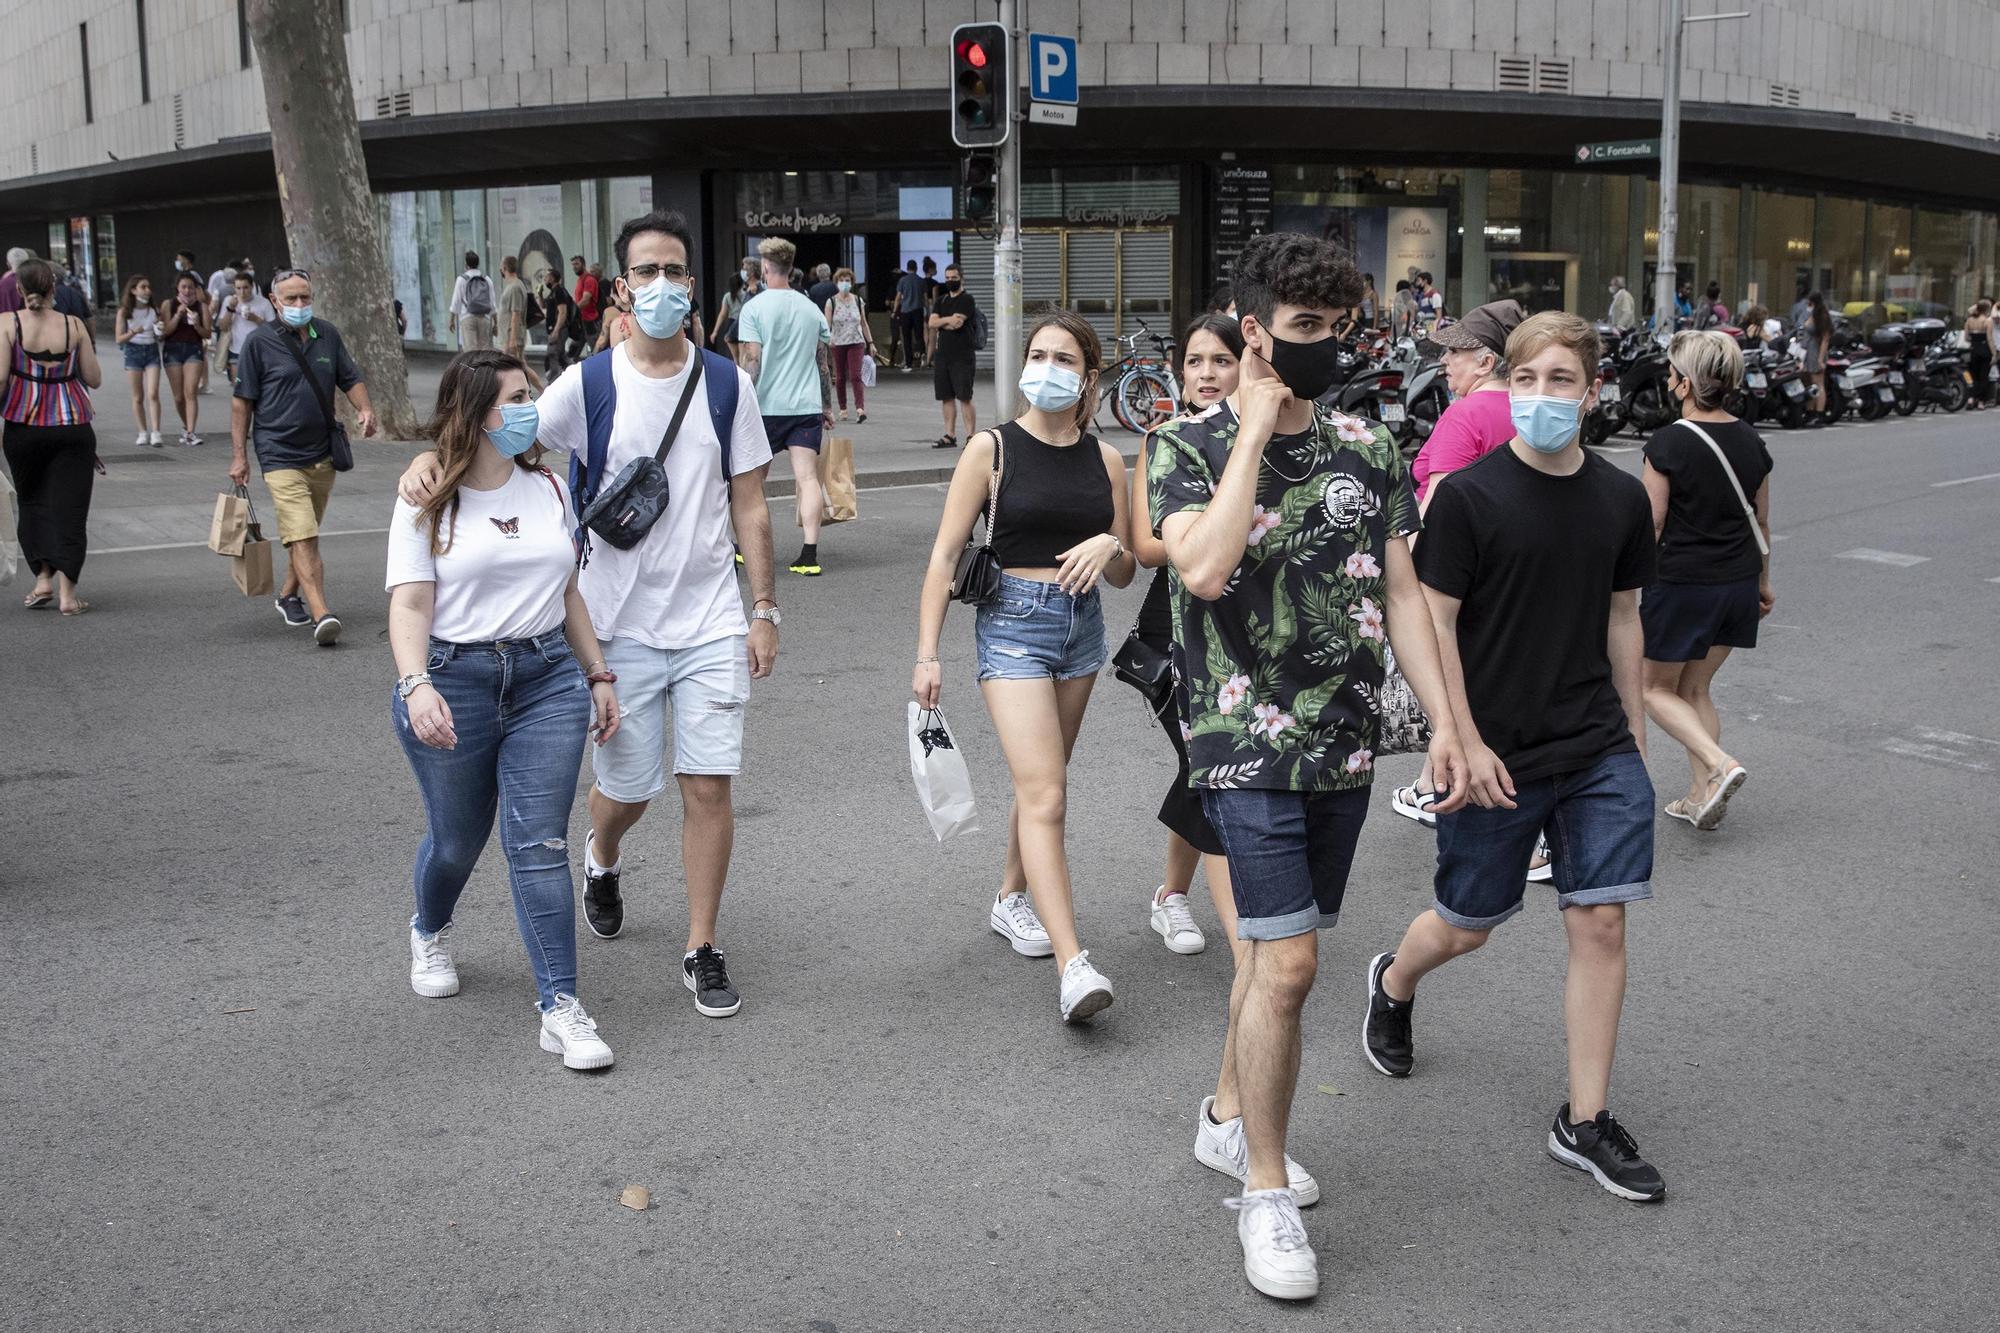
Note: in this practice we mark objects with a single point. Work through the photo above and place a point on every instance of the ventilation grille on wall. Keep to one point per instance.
(1902, 118)
(1784, 94)
(180, 122)
(1534, 74)
(35, 160)
(395, 104)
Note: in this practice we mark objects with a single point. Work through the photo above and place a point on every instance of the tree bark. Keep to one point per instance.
(331, 222)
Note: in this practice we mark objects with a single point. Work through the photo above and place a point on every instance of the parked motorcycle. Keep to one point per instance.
(1933, 373)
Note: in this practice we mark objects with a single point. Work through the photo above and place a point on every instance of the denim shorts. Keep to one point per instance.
(180, 353)
(708, 687)
(1036, 631)
(1600, 828)
(138, 356)
(1289, 855)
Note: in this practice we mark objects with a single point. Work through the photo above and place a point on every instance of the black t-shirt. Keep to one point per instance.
(555, 300)
(1533, 560)
(1708, 537)
(955, 344)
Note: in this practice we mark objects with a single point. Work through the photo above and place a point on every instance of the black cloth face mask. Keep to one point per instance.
(1307, 369)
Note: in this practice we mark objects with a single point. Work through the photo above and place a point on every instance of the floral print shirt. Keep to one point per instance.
(1280, 676)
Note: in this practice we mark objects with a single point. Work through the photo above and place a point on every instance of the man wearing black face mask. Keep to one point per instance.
(1281, 520)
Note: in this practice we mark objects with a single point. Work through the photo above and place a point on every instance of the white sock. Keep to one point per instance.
(590, 866)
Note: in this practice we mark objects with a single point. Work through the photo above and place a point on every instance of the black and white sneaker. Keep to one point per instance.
(704, 973)
(327, 632)
(1385, 1032)
(293, 609)
(603, 906)
(1603, 1148)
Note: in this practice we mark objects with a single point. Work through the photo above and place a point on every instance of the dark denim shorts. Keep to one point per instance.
(1600, 827)
(1289, 855)
(1036, 631)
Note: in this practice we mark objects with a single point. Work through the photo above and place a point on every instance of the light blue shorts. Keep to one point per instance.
(708, 688)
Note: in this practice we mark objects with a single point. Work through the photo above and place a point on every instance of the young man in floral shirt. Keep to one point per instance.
(1282, 521)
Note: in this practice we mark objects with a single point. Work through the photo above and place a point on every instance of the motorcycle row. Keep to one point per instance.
(1898, 368)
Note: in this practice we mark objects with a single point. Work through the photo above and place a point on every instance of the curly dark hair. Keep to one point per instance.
(1286, 268)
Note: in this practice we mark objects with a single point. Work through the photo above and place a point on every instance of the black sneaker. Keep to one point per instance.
(1385, 1033)
(603, 908)
(293, 609)
(704, 973)
(327, 632)
(1603, 1148)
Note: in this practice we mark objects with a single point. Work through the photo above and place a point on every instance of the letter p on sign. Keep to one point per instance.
(1052, 66)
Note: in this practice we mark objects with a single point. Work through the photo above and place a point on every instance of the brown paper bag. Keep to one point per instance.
(232, 518)
(252, 568)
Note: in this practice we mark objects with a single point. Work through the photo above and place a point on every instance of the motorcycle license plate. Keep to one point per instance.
(1794, 389)
(1885, 393)
(1610, 393)
(1895, 377)
(1755, 380)
(1392, 414)
(1842, 382)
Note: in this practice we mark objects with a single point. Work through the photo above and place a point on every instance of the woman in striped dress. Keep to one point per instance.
(48, 366)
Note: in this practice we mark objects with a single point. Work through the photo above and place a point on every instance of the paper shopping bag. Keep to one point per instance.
(944, 786)
(231, 520)
(836, 482)
(252, 568)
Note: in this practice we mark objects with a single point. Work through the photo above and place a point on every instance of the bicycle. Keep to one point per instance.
(1145, 391)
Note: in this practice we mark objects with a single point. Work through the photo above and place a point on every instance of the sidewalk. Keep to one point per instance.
(164, 497)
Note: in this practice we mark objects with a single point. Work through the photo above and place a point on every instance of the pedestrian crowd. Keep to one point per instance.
(1509, 605)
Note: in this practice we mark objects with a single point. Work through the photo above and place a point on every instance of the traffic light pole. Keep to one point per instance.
(1007, 242)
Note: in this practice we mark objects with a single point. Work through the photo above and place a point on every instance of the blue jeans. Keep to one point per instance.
(521, 709)
(1600, 827)
(1289, 855)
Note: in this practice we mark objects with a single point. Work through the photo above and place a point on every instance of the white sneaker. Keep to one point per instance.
(432, 974)
(1220, 1147)
(141, 441)
(1174, 923)
(1085, 990)
(570, 1032)
(1013, 917)
(153, 438)
(1546, 871)
(193, 438)
(1277, 1257)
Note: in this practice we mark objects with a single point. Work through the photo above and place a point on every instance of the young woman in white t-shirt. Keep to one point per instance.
(491, 707)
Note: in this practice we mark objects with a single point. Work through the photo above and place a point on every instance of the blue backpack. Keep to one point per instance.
(600, 403)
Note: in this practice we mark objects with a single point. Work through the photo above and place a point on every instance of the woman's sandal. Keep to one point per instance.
(1678, 809)
(36, 601)
(76, 610)
(1708, 815)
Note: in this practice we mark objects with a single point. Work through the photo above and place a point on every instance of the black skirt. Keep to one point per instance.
(1683, 621)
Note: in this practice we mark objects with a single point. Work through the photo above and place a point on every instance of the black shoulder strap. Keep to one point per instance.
(291, 341)
(695, 358)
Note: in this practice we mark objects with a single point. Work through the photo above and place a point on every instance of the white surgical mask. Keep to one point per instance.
(1049, 386)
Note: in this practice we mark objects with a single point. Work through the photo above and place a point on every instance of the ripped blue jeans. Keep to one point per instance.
(521, 710)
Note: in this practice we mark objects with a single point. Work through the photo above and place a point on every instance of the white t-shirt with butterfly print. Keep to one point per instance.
(510, 559)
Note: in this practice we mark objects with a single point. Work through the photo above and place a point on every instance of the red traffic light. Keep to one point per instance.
(973, 54)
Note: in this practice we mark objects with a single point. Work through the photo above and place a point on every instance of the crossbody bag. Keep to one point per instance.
(625, 509)
(336, 434)
(1749, 510)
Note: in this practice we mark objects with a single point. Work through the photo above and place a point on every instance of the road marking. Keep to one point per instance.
(1958, 738)
(1966, 481)
(1869, 553)
(1933, 753)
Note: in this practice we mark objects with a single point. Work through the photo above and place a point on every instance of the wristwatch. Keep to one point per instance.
(408, 684)
(769, 613)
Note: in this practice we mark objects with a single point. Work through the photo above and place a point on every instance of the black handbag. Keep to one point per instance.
(976, 581)
(626, 509)
(1146, 669)
(336, 434)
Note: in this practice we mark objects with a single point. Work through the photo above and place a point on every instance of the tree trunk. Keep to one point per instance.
(330, 218)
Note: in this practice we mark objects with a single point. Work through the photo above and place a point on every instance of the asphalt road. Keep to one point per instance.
(226, 1109)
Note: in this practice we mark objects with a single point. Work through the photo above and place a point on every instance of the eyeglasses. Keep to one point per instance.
(641, 274)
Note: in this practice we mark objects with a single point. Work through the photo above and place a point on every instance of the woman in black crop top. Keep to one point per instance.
(1060, 527)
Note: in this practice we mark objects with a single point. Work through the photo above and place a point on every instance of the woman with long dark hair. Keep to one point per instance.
(491, 707)
(1211, 357)
(1061, 526)
(1979, 333)
(48, 366)
(136, 329)
(1818, 335)
(184, 329)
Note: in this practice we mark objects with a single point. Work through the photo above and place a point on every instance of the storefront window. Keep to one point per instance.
(1590, 221)
(1840, 253)
(1391, 219)
(1078, 194)
(103, 236)
(1941, 262)
(526, 221)
(1781, 250)
(1888, 258)
(1708, 238)
(59, 242)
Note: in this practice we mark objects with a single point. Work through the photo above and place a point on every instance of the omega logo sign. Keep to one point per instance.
(796, 220)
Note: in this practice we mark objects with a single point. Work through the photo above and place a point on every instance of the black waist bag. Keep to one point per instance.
(626, 509)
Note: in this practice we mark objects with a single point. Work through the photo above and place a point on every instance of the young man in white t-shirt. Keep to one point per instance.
(668, 612)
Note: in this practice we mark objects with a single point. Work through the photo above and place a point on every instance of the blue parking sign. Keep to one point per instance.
(1051, 68)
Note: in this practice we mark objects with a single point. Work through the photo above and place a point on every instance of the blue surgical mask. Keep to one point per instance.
(518, 424)
(1545, 423)
(1049, 386)
(661, 307)
(844, 286)
(298, 316)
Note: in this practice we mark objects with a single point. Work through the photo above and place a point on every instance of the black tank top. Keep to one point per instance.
(1051, 498)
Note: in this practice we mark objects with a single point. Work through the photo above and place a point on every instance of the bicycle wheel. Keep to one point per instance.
(1143, 400)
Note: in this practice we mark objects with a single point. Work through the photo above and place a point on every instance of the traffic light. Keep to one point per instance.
(981, 172)
(982, 86)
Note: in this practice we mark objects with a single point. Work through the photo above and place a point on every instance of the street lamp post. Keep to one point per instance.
(1665, 278)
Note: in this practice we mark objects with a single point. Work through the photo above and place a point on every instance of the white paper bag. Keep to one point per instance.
(10, 550)
(944, 787)
(867, 371)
